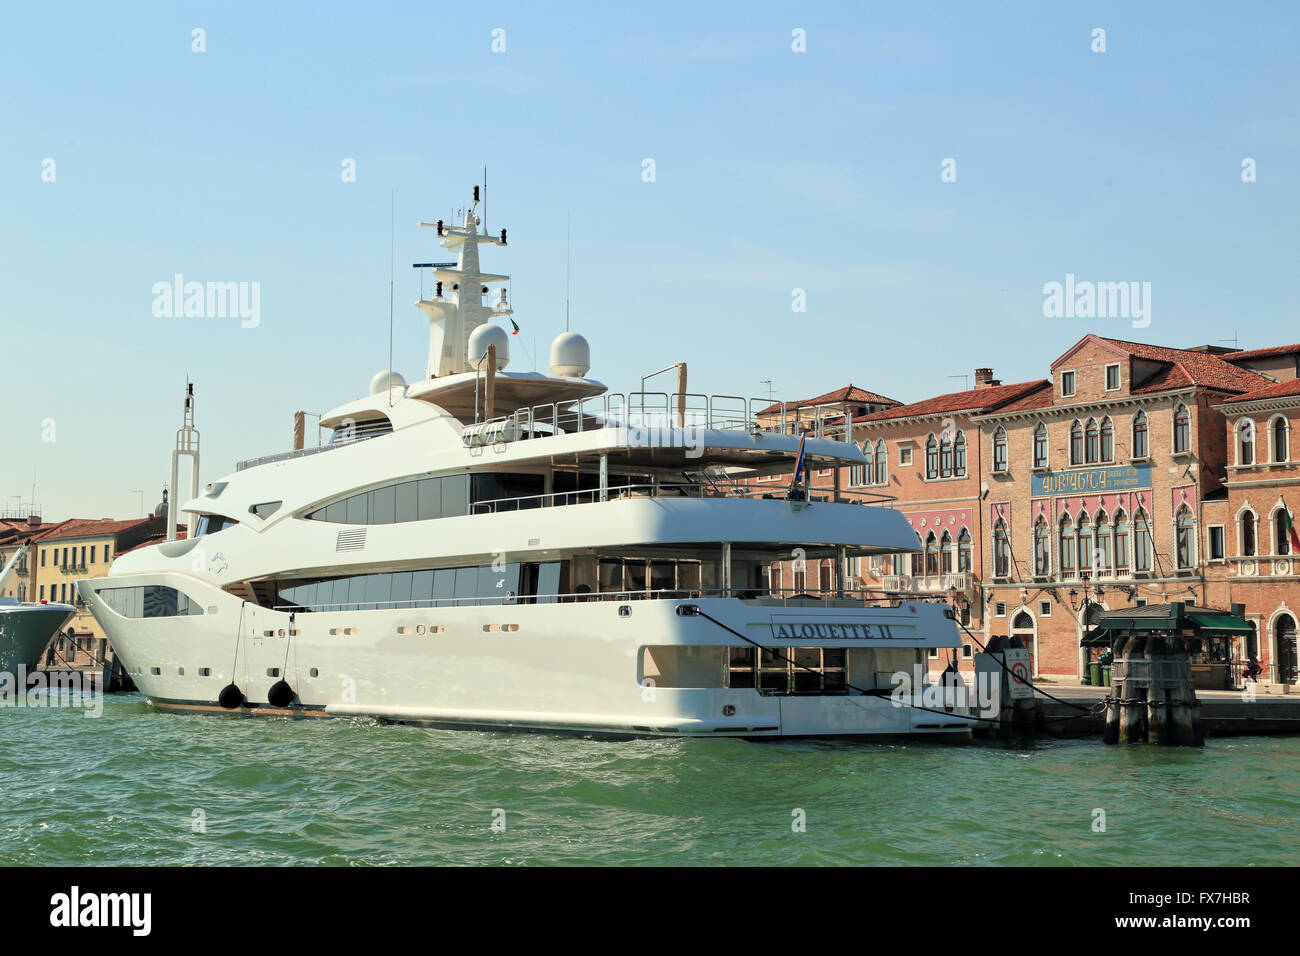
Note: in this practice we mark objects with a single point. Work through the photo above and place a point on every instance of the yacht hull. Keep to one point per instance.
(26, 630)
(564, 667)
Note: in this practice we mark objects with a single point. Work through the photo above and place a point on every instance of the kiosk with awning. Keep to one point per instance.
(1206, 634)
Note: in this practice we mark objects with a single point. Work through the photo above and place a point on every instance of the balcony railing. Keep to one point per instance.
(928, 584)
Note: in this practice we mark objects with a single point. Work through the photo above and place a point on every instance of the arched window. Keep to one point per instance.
(1040, 446)
(1182, 429)
(931, 555)
(1000, 449)
(1076, 443)
(946, 553)
(931, 457)
(1246, 535)
(918, 558)
(861, 474)
(1278, 431)
(1104, 553)
(945, 456)
(1107, 439)
(959, 455)
(1281, 535)
(1001, 550)
(1066, 550)
(1090, 442)
(1121, 542)
(1246, 442)
(1185, 537)
(1042, 547)
(1085, 545)
(964, 551)
(1141, 449)
(1141, 542)
(881, 476)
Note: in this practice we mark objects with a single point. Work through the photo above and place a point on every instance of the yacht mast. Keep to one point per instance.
(452, 318)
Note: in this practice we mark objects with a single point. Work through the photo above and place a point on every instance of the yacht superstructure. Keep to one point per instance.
(499, 549)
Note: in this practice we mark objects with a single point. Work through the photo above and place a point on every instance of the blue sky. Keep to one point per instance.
(775, 170)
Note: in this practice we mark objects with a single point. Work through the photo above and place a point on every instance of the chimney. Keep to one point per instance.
(984, 378)
(33, 522)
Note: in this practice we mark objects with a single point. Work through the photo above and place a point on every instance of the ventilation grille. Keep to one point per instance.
(354, 539)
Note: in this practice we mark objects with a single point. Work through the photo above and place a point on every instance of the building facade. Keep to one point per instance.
(1135, 475)
(1251, 555)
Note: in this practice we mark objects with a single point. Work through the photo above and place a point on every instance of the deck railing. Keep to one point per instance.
(718, 489)
(846, 598)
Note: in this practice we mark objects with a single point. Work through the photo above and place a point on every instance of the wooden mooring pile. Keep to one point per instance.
(1153, 696)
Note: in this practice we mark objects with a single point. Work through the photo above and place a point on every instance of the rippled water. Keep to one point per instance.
(124, 788)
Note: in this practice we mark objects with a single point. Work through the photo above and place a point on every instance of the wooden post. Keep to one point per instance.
(1110, 734)
(299, 430)
(1132, 715)
(490, 385)
(1157, 660)
(681, 395)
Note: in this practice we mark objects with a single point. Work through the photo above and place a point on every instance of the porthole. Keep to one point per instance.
(314, 672)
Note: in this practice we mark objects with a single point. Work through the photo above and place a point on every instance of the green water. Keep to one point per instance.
(123, 788)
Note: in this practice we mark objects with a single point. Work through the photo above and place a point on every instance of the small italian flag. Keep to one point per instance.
(1290, 529)
(516, 325)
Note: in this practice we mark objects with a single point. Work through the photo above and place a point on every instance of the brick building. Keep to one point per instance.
(1130, 477)
(1250, 557)
(1095, 488)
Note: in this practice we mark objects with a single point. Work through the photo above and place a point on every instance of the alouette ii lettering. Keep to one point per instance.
(862, 632)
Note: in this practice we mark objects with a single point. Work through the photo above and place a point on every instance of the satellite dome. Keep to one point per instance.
(385, 380)
(485, 335)
(570, 355)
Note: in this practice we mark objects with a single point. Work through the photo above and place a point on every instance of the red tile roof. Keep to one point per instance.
(1248, 354)
(153, 539)
(971, 400)
(89, 527)
(1276, 390)
(849, 393)
(1189, 368)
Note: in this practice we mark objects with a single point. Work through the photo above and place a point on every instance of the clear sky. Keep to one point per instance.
(775, 170)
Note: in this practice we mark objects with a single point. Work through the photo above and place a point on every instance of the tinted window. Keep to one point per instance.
(383, 505)
(407, 502)
(149, 601)
(455, 495)
(429, 494)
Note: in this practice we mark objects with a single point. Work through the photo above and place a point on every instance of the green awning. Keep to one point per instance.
(1203, 622)
(1220, 623)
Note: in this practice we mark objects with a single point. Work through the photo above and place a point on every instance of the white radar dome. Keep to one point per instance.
(385, 380)
(570, 355)
(485, 335)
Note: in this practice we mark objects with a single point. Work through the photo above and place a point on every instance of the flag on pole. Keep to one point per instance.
(516, 325)
(1290, 529)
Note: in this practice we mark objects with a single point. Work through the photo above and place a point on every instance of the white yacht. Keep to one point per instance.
(491, 548)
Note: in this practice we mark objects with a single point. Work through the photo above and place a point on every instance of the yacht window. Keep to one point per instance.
(418, 500)
(358, 431)
(151, 600)
(211, 524)
(265, 509)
